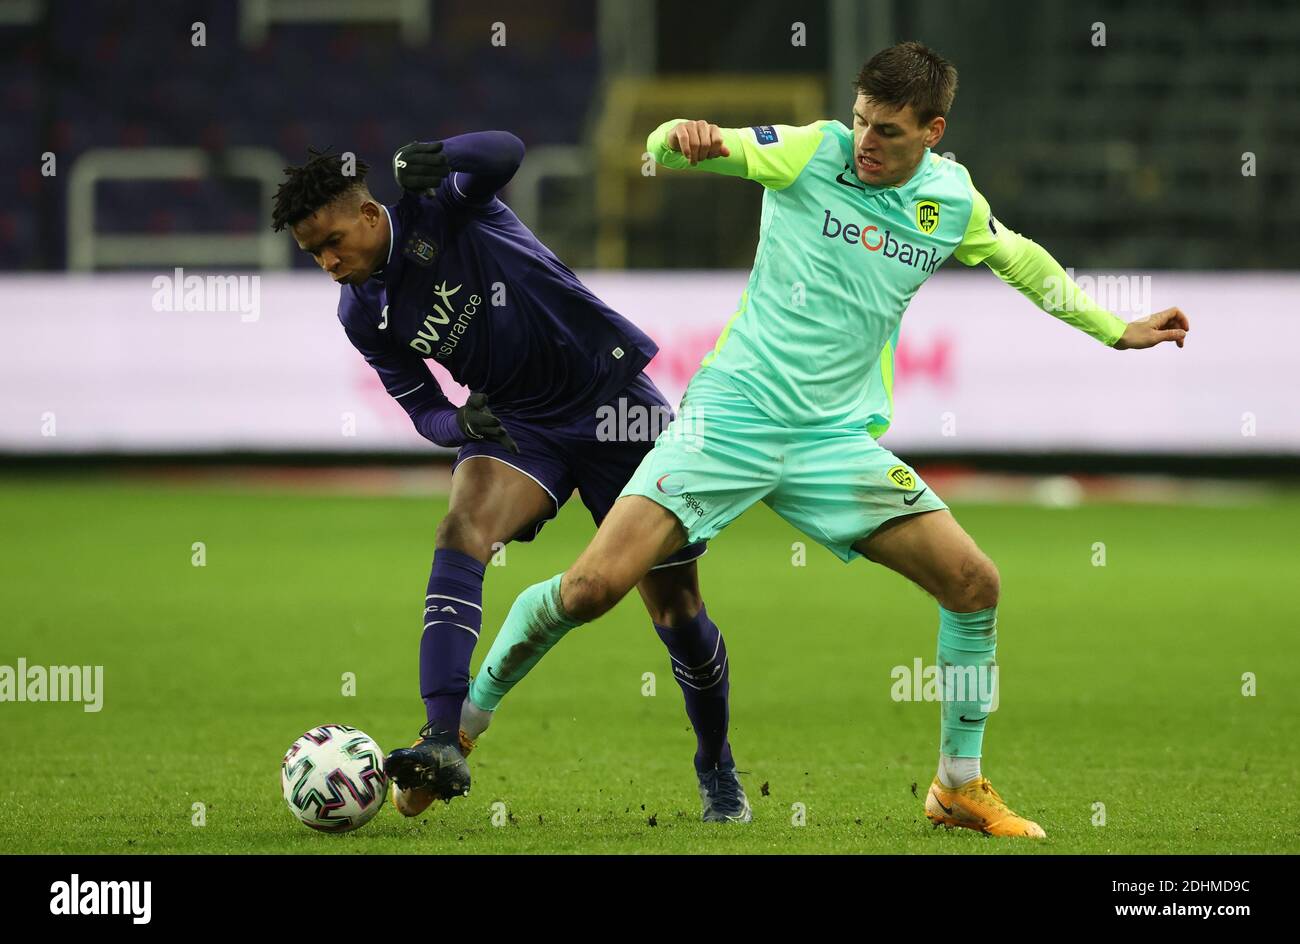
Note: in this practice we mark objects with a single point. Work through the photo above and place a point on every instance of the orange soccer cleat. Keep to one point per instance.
(976, 805)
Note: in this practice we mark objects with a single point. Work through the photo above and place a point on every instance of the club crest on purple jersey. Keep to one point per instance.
(420, 250)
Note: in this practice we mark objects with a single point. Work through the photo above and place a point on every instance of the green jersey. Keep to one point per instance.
(838, 260)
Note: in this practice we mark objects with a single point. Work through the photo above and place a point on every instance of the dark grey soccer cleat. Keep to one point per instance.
(435, 763)
(723, 797)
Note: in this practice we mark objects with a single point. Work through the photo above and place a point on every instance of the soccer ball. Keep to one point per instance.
(333, 778)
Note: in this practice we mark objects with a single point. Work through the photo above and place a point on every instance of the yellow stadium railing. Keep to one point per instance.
(634, 107)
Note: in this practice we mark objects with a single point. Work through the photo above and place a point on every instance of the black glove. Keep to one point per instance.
(421, 166)
(477, 422)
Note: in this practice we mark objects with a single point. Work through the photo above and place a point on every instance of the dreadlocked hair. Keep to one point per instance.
(315, 184)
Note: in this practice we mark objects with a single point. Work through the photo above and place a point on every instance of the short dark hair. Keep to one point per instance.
(315, 184)
(910, 74)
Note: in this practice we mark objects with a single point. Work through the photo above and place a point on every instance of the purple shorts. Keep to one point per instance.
(595, 455)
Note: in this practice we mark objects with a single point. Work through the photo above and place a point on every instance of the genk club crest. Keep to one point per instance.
(902, 476)
(927, 216)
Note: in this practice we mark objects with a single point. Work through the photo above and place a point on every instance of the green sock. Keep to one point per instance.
(968, 670)
(535, 623)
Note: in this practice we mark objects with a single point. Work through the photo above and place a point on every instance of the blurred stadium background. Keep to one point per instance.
(1152, 147)
(1150, 144)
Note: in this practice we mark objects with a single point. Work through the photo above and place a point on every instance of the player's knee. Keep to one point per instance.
(674, 614)
(588, 595)
(458, 531)
(672, 595)
(983, 583)
(975, 585)
(675, 607)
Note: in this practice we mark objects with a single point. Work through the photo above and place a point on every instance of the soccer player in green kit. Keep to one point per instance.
(788, 406)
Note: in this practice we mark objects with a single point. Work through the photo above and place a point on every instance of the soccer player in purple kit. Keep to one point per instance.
(450, 273)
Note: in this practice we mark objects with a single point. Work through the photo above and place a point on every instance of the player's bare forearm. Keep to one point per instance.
(1168, 325)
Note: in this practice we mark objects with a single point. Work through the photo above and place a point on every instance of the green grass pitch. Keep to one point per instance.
(1121, 685)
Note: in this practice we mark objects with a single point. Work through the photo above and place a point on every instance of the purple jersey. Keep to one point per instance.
(468, 285)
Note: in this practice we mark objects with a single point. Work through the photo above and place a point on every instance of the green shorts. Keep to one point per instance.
(721, 454)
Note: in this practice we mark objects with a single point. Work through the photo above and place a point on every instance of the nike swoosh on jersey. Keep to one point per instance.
(839, 179)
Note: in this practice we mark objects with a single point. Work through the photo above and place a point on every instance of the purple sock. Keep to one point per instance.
(699, 660)
(453, 613)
